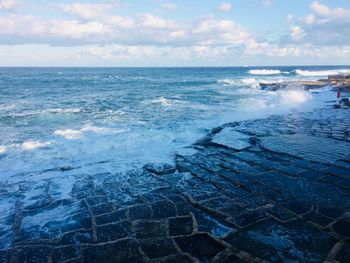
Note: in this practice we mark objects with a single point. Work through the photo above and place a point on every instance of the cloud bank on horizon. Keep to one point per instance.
(174, 32)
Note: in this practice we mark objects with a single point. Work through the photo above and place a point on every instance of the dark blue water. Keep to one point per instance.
(103, 119)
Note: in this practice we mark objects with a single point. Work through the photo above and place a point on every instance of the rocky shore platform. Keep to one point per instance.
(271, 190)
(341, 81)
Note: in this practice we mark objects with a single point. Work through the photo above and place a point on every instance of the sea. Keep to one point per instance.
(112, 120)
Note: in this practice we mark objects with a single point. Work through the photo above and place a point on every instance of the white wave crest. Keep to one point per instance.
(232, 82)
(58, 110)
(264, 72)
(71, 134)
(271, 81)
(31, 145)
(163, 101)
(3, 149)
(250, 81)
(239, 86)
(227, 82)
(308, 73)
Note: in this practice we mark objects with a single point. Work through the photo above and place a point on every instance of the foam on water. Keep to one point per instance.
(264, 71)
(227, 82)
(31, 145)
(295, 96)
(250, 81)
(58, 110)
(106, 125)
(2, 149)
(162, 101)
(320, 73)
(264, 81)
(71, 134)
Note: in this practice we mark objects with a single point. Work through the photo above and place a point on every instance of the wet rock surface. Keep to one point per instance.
(275, 190)
(341, 81)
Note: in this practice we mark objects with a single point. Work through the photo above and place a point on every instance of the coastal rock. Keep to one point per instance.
(287, 201)
(340, 80)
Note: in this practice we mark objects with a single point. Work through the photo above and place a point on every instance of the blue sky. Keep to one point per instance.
(174, 32)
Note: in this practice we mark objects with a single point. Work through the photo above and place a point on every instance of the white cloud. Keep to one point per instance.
(169, 6)
(86, 11)
(327, 12)
(224, 7)
(322, 26)
(209, 31)
(144, 29)
(18, 25)
(289, 18)
(297, 33)
(111, 37)
(76, 30)
(267, 3)
(154, 55)
(29, 29)
(9, 4)
(271, 50)
(309, 19)
(121, 22)
(113, 52)
(151, 21)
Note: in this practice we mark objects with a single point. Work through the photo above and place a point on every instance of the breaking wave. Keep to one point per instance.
(102, 128)
(227, 82)
(71, 134)
(308, 73)
(31, 145)
(264, 72)
(3, 149)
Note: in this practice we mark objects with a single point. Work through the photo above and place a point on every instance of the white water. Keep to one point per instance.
(320, 73)
(144, 125)
(264, 72)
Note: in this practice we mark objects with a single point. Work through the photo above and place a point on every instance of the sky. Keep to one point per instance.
(118, 33)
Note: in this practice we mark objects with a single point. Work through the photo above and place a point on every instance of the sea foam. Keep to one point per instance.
(3, 149)
(114, 128)
(238, 82)
(71, 134)
(264, 72)
(161, 100)
(227, 82)
(316, 73)
(31, 145)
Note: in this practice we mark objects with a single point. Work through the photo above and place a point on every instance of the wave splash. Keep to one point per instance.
(319, 73)
(85, 130)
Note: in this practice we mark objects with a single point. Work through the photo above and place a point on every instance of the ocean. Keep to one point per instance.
(99, 120)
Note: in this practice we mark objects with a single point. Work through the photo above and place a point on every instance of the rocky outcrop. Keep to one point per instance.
(341, 80)
(271, 190)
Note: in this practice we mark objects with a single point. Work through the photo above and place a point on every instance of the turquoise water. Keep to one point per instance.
(116, 119)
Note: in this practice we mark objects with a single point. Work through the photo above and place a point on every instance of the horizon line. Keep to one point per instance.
(244, 66)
